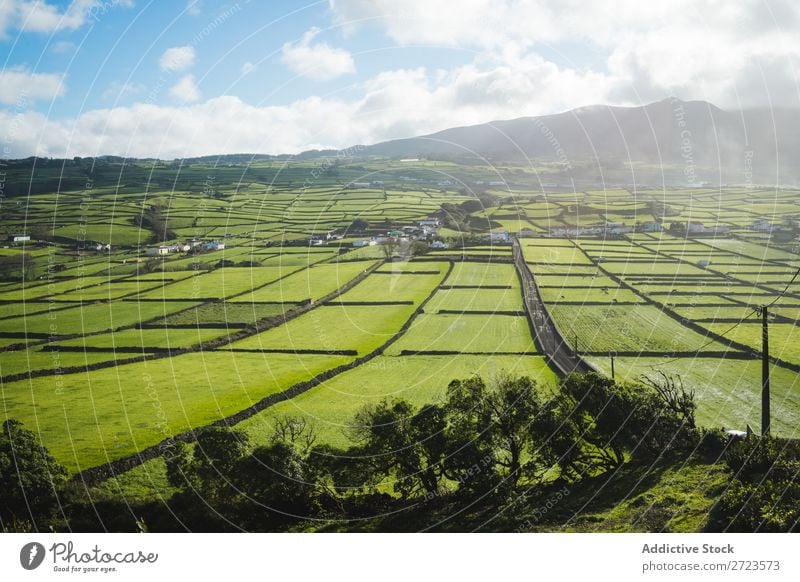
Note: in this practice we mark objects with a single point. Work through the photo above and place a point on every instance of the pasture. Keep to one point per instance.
(90, 339)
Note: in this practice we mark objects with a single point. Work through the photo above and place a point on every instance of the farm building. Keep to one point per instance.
(357, 185)
(695, 227)
(364, 243)
(651, 227)
(761, 226)
(19, 238)
(501, 237)
(157, 251)
(212, 245)
(703, 264)
(429, 222)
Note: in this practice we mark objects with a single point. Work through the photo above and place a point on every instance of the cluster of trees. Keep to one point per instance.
(155, 220)
(764, 495)
(485, 442)
(466, 216)
(19, 267)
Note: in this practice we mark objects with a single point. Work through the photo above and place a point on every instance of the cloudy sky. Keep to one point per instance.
(147, 78)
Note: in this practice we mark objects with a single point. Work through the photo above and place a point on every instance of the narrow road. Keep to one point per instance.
(548, 337)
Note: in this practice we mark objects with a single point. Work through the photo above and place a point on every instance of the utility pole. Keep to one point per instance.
(765, 419)
(611, 355)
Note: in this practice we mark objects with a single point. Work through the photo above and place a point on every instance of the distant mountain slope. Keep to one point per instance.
(706, 142)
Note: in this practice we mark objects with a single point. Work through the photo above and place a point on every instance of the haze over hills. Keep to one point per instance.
(691, 142)
(669, 142)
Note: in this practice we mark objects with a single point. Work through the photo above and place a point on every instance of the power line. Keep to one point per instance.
(755, 310)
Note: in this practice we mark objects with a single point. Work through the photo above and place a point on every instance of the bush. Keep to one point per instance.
(30, 479)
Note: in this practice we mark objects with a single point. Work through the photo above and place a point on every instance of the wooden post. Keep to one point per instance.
(765, 417)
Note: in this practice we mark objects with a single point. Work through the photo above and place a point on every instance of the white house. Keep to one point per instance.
(359, 184)
(19, 238)
(364, 243)
(500, 236)
(157, 251)
(438, 244)
(429, 222)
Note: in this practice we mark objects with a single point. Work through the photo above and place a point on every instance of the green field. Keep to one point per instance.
(332, 405)
(467, 333)
(638, 293)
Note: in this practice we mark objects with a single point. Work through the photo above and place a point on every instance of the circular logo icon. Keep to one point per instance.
(31, 555)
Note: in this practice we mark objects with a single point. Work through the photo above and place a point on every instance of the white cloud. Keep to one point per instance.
(119, 91)
(177, 58)
(18, 86)
(39, 16)
(185, 90)
(394, 104)
(732, 53)
(194, 7)
(319, 61)
(62, 47)
(248, 68)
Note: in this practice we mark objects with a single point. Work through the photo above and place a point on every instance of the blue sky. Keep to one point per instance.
(168, 79)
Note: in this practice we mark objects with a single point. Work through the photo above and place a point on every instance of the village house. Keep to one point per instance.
(500, 237)
(761, 225)
(364, 243)
(693, 227)
(157, 251)
(651, 227)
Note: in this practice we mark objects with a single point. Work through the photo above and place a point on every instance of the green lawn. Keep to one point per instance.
(86, 419)
(24, 361)
(227, 313)
(467, 333)
(476, 300)
(164, 337)
(37, 289)
(219, 283)
(606, 295)
(92, 317)
(348, 327)
(395, 287)
(312, 283)
(784, 338)
(331, 406)
(479, 274)
(728, 392)
(626, 328)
